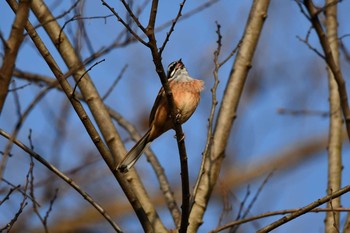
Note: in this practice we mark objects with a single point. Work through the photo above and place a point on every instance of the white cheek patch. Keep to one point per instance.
(172, 73)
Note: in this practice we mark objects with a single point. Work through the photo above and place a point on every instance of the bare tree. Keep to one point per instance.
(77, 81)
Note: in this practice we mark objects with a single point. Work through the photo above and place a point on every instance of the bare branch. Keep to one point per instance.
(124, 23)
(179, 14)
(68, 180)
(133, 16)
(163, 181)
(158, 169)
(152, 44)
(274, 213)
(306, 41)
(22, 117)
(20, 87)
(303, 112)
(331, 62)
(11, 49)
(152, 18)
(66, 12)
(85, 72)
(209, 173)
(335, 215)
(9, 225)
(113, 85)
(214, 103)
(335, 126)
(304, 210)
(23, 203)
(227, 206)
(31, 190)
(246, 212)
(52, 201)
(19, 190)
(188, 14)
(132, 189)
(7, 196)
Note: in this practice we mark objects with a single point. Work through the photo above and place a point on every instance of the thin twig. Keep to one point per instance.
(333, 213)
(246, 212)
(228, 111)
(163, 181)
(345, 50)
(11, 49)
(304, 210)
(7, 196)
(20, 87)
(68, 180)
(9, 225)
(227, 206)
(174, 21)
(32, 194)
(23, 204)
(173, 112)
(330, 60)
(114, 84)
(74, 5)
(124, 23)
(306, 41)
(214, 103)
(17, 102)
(303, 112)
(79, 18)
(19, 190)
(233, 52)
(158, 169)
(96, 105)
(323, 9)
(58, 42)
(81, 33)
(241, 205)
(31, 184)
(52, 201)
(274, 213)
(22, 118)
(133, 16)
(86, 71)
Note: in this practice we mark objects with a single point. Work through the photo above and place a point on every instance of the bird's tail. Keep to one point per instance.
(134, 154)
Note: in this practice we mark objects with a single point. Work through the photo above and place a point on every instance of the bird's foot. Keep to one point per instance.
(178, 116)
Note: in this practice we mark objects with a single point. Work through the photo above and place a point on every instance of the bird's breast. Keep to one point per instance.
(186, 97)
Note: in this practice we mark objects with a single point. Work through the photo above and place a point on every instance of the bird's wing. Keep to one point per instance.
(155, 105)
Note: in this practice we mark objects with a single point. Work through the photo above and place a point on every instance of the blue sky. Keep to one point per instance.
(284, 74)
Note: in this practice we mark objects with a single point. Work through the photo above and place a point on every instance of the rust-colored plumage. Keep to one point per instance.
(186, 94)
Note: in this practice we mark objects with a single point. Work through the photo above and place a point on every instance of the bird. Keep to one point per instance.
(186, 94)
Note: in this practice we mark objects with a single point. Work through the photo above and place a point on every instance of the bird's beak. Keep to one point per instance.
(179, 64)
